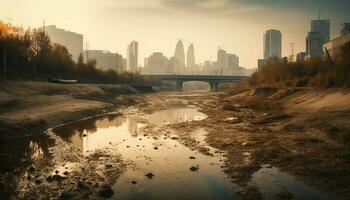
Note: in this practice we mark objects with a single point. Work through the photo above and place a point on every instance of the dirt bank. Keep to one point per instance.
(28, 107)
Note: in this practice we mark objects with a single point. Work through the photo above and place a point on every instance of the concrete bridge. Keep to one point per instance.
(213, 80)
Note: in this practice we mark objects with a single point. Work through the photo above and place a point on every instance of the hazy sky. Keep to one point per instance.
(235, 25)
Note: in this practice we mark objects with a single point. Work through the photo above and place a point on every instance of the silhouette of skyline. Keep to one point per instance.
(156, 24)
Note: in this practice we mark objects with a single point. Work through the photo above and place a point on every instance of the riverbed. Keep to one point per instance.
(160, 148)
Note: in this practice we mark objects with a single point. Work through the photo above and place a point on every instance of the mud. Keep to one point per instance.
(256, 143)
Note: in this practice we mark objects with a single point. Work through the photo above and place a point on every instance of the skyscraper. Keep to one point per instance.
(190, 56)
(132, 55)
(221, 59)
(314, 44)
(180, 57)
(272, 44)
(232, 61)
(323, 27)
(72, 41)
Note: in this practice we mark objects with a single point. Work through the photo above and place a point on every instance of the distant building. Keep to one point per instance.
(172, 65)
(345, 29)
(334, 46)
(232, 61)
(261, 62)
(105, 60)
(301, 56)
(190, 56)
(221, 59)
(314, 43)
(157, 63)
(124, 65)
(132, 56)
(323, 27)
(72, 41)
(119, 63)
(272, 44)
(180, 57)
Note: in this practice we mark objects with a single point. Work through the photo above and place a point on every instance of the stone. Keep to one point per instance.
(194, 168)
(83, 185)
(149, 175)
(105, 191)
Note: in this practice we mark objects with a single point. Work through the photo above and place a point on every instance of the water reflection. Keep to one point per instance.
(164, 157)
(273, 183)
(96, 133)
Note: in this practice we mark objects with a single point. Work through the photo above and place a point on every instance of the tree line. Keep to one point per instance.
(30, 55)
(314, 72)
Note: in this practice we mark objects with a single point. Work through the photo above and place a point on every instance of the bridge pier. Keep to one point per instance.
(214, 87)
(179, 85)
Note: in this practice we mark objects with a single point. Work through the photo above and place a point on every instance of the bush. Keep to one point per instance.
(314, 72)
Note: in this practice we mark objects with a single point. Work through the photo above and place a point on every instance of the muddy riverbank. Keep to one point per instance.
(255, 144)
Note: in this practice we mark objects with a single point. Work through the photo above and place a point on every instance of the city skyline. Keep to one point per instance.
(237, 25)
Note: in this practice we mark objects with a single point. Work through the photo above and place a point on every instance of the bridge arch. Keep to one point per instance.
(213, 80)
(214, 86)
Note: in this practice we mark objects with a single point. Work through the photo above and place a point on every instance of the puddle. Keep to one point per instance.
(173, 165)
(175, 115)
(273, 184)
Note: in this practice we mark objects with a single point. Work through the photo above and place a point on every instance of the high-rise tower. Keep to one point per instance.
(132, 54)
(180, 57)
(272, 44)
(190, 56)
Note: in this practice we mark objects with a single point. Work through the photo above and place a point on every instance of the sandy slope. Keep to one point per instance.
(30, 102)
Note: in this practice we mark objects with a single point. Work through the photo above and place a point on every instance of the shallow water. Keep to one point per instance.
(272, 182)
(162, 156)
(169, 161)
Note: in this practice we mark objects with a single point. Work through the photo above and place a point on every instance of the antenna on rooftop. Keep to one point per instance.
(319, 13)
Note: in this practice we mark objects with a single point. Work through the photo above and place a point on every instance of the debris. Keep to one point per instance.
(194, 168)
(149, 175)
(67, 195)
(31, 169)
(105, 191)
(83, 185)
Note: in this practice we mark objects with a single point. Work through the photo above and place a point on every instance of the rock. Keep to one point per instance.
(149, 175)
(83, 185)
(84, 135)
(65, 173)
(57, 177)
(134, 182)
(127, 146)
(174, 138)
(194, 168)
(155, 148)
(26, 162)
(38, 181)
(49, 179)
(105, 191)
(56, 171)
(31, 169)
(192, 157)
(108, 166)
(67, 195)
